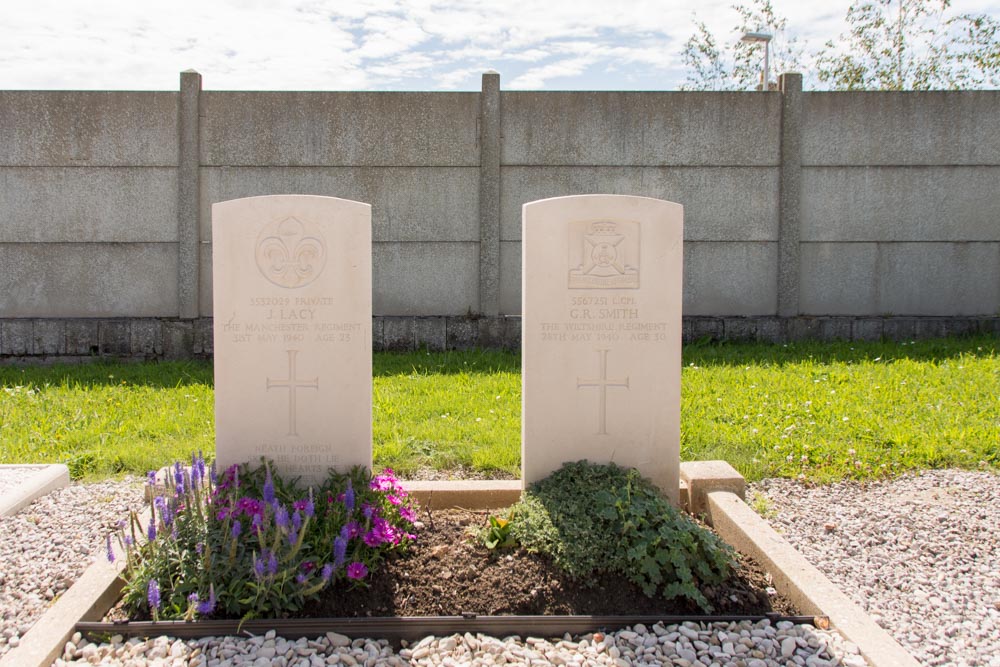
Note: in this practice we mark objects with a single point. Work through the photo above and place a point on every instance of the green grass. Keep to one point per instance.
(823, 411)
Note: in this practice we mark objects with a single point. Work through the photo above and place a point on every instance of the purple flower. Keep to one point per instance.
(199, 548)
(407, 513)
(111, 552)
(309, 509)
(250, 506)
(372, 539)
(268, 488)
(353, 529)
(395, 500)
(339, 550)
(356, 570)
(272, 564)
(151, 531)
(300, 578)
(237, 529)
(128, 541)
(196, 471)
(207, 606)
(214, 474)
(178, 474)
(151, 477)
(296, 521)
(367, 510)
(259, 566)
(256, 523)
(153, 594)
(327, 572)
(349, 497)
(281, 517)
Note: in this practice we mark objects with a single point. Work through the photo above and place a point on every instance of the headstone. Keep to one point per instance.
(293, 317)
(601, 335)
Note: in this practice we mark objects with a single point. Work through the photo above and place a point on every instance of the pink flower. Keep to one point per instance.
(357, 570)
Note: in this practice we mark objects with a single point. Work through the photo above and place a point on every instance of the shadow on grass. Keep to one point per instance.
(109, 373)
(454, 362)
(707, 353)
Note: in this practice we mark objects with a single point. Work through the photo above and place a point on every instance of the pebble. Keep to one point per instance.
(47, 545)
(920, 553)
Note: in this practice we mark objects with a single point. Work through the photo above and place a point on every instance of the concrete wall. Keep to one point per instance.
(803, 211)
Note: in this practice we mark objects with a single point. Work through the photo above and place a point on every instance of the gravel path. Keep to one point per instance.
(920, 553)
(49, 543)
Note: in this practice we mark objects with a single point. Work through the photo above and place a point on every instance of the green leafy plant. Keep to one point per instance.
(497, 534)
(590, 518)
(249, 544)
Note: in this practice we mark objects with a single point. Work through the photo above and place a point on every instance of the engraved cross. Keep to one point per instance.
(602, 383)
(291, 384)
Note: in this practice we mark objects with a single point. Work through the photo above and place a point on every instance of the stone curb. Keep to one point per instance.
(801, 582)
(47, 478)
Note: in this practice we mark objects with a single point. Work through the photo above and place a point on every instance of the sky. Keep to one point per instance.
(377, 44)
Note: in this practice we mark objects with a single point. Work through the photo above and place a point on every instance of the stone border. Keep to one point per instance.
(73, 340)
(35, 485)
(712, 484)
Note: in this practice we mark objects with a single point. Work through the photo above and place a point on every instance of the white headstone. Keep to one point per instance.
(292, 278)
(601, 335)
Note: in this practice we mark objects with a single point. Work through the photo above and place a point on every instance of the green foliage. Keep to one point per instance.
(254, 545)
(590, 518)
(738, 65)
(497, 534)
(911, 45)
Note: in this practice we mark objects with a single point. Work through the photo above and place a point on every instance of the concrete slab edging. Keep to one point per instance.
(802, 582)
(46, 478)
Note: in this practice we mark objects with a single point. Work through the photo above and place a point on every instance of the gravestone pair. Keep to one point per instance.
(601, 316)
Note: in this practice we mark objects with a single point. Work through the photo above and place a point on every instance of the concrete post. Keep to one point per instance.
(188, 223)
(790, 197)
(489, 195)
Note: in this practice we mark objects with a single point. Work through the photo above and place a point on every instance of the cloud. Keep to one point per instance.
(373, 44)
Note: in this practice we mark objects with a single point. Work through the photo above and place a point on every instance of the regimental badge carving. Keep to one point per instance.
(604, 255)
(291, 252)
(602, 384)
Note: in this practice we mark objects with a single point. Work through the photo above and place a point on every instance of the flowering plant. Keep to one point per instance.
(249, 544)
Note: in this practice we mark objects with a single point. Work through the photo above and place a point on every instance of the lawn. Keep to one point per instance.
(823, 411)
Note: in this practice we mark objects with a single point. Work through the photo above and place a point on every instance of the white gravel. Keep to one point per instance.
(920, 553)
(49, 543)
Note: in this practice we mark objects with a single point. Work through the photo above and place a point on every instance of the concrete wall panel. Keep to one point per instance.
(88, 279)
(909, 128)
(839, 279)
(425, 278)
(901, 204)
(205, 279)
(720, 204)
(510, 278)
(735, 279)
(639, 128)
(939, 278)
(438, 204)
(87, 128)
(339, 129)
(64, 204)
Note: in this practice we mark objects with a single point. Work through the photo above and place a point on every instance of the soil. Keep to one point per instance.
(448, 572)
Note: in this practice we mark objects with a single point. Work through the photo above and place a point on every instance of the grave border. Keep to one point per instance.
(715, 483)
